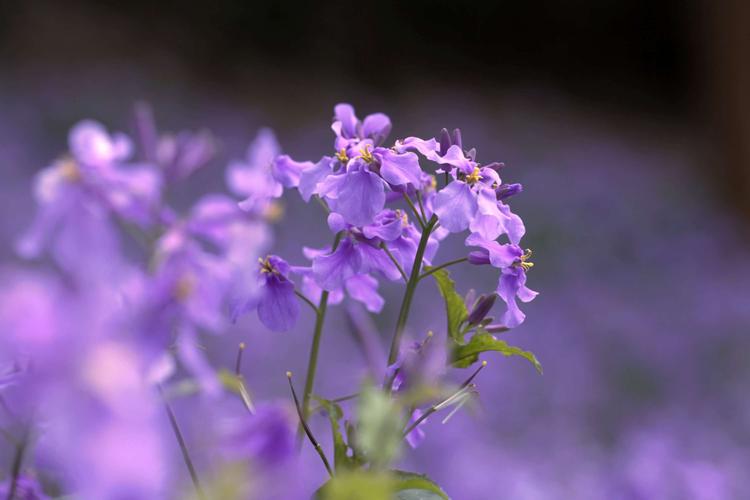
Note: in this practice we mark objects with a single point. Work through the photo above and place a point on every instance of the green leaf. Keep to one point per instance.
(482, 341)
(341, 459)
(455, 308)
(357, 485)
(412, 486)
(379, 435)
(372, 485)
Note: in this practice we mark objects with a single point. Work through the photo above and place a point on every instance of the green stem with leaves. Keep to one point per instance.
(411, 286)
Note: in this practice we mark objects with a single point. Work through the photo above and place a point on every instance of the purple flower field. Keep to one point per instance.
(444, 291)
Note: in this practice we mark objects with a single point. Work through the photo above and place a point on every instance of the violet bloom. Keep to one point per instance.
(263, 175)
(276, 301)
(77, 194)
(26, 488)
(177, 155)
(360, 251)
(360, 287)
(513, 263)
(354, 181)
(265, 438)
(472, 200)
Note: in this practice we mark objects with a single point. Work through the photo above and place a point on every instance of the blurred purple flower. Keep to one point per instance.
(265, 438)
(176, 155)
(26, 488)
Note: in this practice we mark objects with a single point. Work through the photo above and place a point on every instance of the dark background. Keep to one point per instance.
(683, 60)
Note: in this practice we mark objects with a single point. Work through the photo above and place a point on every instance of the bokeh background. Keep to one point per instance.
(628, 122)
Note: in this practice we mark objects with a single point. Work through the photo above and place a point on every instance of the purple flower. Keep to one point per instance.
(176, 155)
(263, 175)
(266, 438)
(275, 302)
(513, 263)
(78, 194)
(354, 181)
(26, 488)
(360, 287)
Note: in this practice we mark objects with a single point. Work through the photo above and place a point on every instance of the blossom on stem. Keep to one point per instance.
(513, 263)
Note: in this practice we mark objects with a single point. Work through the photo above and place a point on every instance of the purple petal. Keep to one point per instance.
(455, 157)
(375, 259)
(500, 256)
(311, 176)
(364, 288)
(278, 308)
(332, 270)
(263, 150)
(287, 171)
(399, 169)
(344, 114)
(488, 221)
(455, 206)
(360, 196)
(376, 126)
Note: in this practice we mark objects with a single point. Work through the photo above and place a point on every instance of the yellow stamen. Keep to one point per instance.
(69, 170)
(273, 212)
(185, 287)
(473, 177)
(266, 267)
(341, 155)
(403, 216)
(366, 154)
(525, 265)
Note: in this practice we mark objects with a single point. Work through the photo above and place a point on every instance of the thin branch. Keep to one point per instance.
(183, 446)
(309, 433)
(307, 301)
(421, 207)
(414, 211)
(442, 266)
(395, 262)
(467, 386)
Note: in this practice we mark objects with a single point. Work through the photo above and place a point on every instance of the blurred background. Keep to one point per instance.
(628, 122)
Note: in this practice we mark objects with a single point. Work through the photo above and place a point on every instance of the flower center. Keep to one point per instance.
(403, 216)
(69, 170)
(184, 287)
(525, 264)
(341, 155)
(366, 154)
(266, 267)
(474, 176)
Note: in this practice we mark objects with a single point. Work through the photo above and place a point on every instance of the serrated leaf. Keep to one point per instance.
(412, 486)
(455, 308)
(341, 459)
(482, 341)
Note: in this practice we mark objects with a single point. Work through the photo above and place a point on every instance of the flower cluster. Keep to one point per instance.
(131, 286)
(380, 201)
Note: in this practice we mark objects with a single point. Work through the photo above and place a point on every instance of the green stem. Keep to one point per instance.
(442, 266)
(411, 287)
(306, 300)
(395, 262)
(312, 363)
(414, 211)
